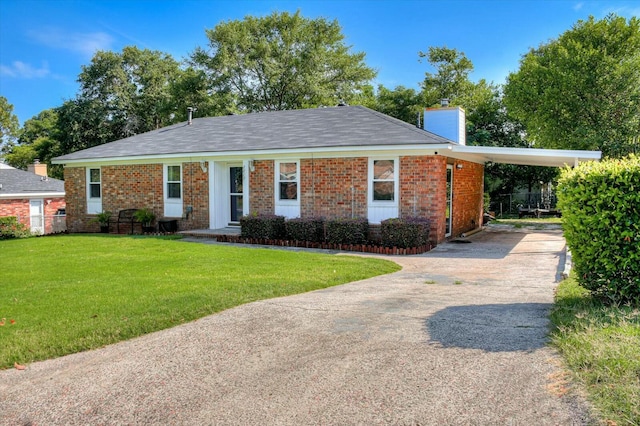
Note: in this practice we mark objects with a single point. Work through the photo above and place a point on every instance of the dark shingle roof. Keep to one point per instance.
(18, 182)
(346, 126)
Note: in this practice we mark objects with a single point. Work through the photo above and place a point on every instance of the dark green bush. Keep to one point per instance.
(306, 229)
(262, 226)
(347, 231)
(600, 205)
(405, 233)
(11, 228)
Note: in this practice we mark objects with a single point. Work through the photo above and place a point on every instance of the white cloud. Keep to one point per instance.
(19, 69)
(578, 6)
(87, 44)
(625, 11)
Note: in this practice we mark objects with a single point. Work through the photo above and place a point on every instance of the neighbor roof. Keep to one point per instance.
(343, 126)
(17, 183)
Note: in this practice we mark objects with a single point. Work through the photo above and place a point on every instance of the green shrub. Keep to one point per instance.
(405, 233)
(11, 228)
(306, 229)
(266, 226)
(347, 231)
(600, 205)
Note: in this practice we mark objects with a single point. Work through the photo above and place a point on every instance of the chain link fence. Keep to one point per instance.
(508, 204)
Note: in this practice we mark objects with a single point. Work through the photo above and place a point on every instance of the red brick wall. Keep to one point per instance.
(75, 181)
(261, 187)
(333, 187)
(468, 189)
(423, 191)
(326, 190)
(136, 186)
(20, 209)
(195, 193)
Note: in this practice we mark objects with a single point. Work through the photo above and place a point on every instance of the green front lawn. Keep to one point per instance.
(601, 346)
(69, 293)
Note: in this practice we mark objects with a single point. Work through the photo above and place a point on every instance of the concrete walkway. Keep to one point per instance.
(457, 337)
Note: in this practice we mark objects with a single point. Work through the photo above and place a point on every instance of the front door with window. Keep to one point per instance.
(235, 193)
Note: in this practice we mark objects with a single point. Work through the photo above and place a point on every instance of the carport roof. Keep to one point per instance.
(523, 156)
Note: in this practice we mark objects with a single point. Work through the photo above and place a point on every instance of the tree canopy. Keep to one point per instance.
(582, 90)
(282, 61)
(9, 124)
(130, 90)
(451, 79)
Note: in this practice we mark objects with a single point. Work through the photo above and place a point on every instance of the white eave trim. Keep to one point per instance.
(321, 152)
(476, 154)
(29, 195)
(524, 156)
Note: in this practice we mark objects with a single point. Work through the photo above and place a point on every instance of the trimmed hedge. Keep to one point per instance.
(600, 203)
(262, 226)
(306, 229)
(347, 231)
(405, 233)
(10, 228)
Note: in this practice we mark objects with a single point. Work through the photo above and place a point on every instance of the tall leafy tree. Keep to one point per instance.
(582, 90)
(451, 77)
(9, 124)
(282, 61)
(402, 103)
(39, 139)
(130, 91)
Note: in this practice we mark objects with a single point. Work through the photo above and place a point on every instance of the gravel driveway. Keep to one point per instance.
(457, 337)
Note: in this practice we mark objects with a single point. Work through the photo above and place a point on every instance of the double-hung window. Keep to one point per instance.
(173, 190)
(383, 189)
(287, 190)
(288, 181)
(384, 180)
(94, 191)
(174, 182)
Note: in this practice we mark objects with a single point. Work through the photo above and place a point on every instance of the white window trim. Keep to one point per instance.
(276, 174)
(396, 183)
(171, 208)
(94, 204)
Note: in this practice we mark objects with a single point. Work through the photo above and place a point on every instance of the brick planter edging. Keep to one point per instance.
(364, 248)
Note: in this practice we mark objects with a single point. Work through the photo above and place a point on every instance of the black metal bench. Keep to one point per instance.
(128, 217)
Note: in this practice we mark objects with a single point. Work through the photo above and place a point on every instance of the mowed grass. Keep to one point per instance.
(601, 346)
(69, 293)
(530, 222)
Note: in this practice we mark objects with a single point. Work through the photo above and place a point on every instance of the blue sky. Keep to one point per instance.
(44, 43)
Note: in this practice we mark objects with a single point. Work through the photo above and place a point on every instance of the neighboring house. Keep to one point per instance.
(35, 199)
(346, 161)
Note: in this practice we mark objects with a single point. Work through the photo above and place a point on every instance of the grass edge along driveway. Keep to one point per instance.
(70, 293)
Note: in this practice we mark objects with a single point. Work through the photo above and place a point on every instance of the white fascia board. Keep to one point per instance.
(349, 151)
(29, 195)
(524, 156)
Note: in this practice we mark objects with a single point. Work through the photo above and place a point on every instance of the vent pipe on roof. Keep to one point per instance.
(444, 102)
(190, 112)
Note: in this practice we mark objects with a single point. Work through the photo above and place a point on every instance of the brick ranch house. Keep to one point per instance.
(32, 197)
(345, 161)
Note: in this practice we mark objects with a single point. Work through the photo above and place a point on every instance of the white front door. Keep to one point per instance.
(36, 213)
